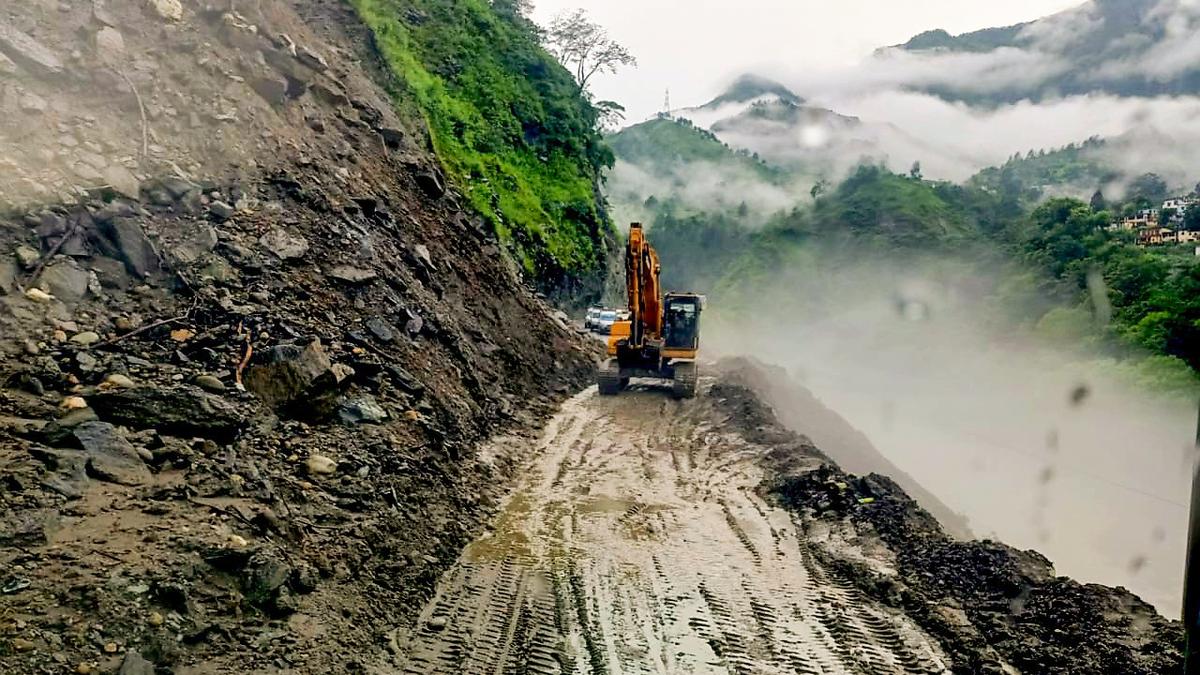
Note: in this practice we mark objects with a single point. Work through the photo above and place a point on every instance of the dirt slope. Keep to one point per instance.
(656, 536)
(245, 366)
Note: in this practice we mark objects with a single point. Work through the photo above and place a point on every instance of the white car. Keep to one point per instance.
(592, 316)
(605, 322)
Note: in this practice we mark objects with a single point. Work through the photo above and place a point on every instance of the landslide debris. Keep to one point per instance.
(990, 606)
(247, 353)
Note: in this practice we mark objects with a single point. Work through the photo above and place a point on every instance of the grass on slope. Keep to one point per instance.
(507, 121)
(670, 144)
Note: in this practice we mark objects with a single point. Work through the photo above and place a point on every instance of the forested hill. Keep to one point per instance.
(1121, 47)
(509, 123)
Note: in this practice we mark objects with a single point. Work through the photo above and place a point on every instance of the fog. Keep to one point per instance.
(1034, 444)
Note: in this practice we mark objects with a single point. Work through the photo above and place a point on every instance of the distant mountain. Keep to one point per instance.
(1121, 47)
(672, 161)
(767, 118)
(751, 87)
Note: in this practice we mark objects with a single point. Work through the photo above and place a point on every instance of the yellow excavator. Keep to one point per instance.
(662, 335)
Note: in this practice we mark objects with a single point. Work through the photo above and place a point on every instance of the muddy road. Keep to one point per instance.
(636, 543)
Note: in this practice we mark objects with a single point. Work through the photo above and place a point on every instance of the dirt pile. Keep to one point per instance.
(249, 344)
(990, 606)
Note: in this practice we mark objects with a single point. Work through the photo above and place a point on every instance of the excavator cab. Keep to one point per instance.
(661, 338)
(682, 323)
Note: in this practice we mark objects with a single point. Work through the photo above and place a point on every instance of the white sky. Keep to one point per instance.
(696, 46)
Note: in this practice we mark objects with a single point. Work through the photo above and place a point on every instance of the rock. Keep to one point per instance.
(28, 257)
(299, 379)
(320, 465)
(237, 541)
(134, 664)
(100, 14)
(437, 623)
(392, 137)
(422, 253)
(414, 325)
(85, 339)
(156, 619)
(65, 280)
(110, 45)
(73, 403)
(381, 329)
(351, 274)
(362, 409)
(221, 211)
(170, 10)
(22, 645)
(8, 276)
(121, 180)
(109, 456)
(430, 181)
(7, 65)
(180, 410)
(119, 381)
(329, 94)
(28, 53)
(284, 245)
(134, 247)
(209, 383)
(32, 103)
(199, 240)
(274, 90)
(312, 59)
(38, 295)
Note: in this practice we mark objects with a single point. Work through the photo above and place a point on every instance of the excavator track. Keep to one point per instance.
(636, 543)
(608, 377)
(687, 375)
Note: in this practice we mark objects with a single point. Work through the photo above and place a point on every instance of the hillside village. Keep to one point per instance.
(1172, 223)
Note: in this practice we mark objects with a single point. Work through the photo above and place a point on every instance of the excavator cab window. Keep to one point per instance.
(682, 322)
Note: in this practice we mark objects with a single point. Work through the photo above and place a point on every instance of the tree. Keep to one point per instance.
(1191, 218)
(610, 115)
(1149, 187)
(915, 171)
(584, 47)
(819, 188)
(1098, 204)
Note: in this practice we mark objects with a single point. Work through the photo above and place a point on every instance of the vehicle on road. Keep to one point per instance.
(592, 316)
(606, 320)
(660, 337)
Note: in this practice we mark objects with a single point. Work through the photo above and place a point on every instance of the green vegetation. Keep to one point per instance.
(508, 122)
(1074, 168)
(1049, 260)
(665, 145)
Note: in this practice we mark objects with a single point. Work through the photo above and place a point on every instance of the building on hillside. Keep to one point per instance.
(1189, 236)
(1179, 204)
(1144, 219)
(1156, 236)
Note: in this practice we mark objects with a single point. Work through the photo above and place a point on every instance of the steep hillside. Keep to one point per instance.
(1122, 47)
(251, 339)
(510, 125)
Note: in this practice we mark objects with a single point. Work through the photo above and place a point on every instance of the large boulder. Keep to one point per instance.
(182, 410)
(299, 379)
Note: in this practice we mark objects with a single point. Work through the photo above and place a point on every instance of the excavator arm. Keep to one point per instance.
(642, 271)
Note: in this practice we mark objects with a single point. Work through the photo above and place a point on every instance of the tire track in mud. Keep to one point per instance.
(635, 544)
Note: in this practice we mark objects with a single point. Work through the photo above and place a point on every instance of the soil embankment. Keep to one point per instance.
(250, 342)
